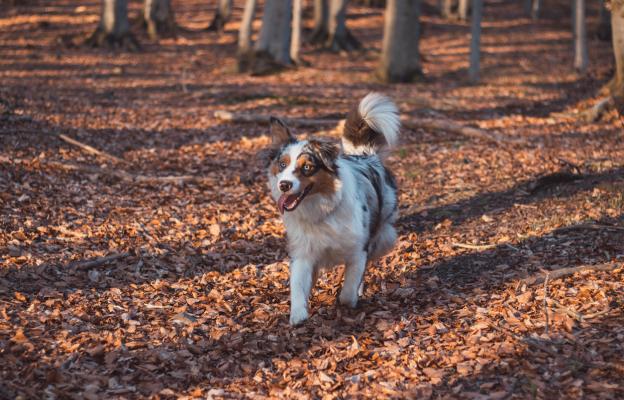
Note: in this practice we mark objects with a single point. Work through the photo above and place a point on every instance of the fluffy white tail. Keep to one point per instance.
(373, 126)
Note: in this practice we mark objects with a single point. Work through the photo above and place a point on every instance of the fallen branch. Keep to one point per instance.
(265, 119)
(96, 262)
(450, 126)
(554, 303)
(482, 246)
(594, 113)
(564, 272)
(427, 123)
(592, 226)
(117, 174)
(90, 149)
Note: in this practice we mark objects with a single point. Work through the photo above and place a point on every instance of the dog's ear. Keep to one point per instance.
(326, 151)
(280, 133)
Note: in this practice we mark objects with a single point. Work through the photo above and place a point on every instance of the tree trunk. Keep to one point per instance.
(158, 17)
(400, 59)
(113, 29)
(475, 40)
(295, 41)
(245, 31)
(527, 5)
(339, 37)
(446, 7)
(321, 16)
(462, 9)
(580, 36)
(272, 50)
(222, 16)
(535, 9)
(617, 32)
(604, 27)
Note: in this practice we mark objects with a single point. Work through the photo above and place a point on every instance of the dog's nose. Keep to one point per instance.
(285, 186)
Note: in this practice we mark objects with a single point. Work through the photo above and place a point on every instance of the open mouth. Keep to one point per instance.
(288, 202)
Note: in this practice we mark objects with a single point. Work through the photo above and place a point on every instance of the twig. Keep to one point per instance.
(482, 246)
(96, 262)
(91, 150)
(474, 246)
(265, 119)
(594, 113)
(118, 174)
(450, 126)
(526, 340)
(576, 315)
(563, 272)
(592, 226)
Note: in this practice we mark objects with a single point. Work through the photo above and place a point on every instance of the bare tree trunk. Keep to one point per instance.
(159, 19)
(462, 9)
(272, 50)
(580, 36)
(295, 41)
(400, 59)
(339, 37)
(535, 9)
(321, 17)
(527, 5)
(222, 16)
(244, 34)
(475, 40)
(604, 27)
(617, 32)
(113, 29)
(445, 8)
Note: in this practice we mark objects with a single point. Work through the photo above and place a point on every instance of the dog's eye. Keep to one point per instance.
(282, 165)
(307, 168)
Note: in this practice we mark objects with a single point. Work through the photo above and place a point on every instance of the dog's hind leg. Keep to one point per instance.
(354, 275)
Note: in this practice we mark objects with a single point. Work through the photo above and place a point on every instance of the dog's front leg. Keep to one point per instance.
(353, 277)
(301, 272)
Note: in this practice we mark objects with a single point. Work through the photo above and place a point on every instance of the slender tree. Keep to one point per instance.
(222, 16)
(616, 85)
(580, 36)
(462, 9)
(475, 40)
(113, 29)
(158, 18)
(245, 31)
(446, 7)
(295, 42)
(321, 16)
(604, 26)
(400, 59)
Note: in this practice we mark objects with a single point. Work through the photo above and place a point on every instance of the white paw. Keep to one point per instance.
(298, 315)
(348, 298)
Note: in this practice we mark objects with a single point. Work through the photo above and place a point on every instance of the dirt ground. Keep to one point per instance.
(192, 300)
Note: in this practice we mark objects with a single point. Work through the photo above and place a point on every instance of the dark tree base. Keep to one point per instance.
(258, 63)
(126, 41)
(218, 23)
(161, 29)
(321, 37)
(388, 77)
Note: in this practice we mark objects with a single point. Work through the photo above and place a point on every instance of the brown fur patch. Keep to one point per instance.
(357, 131)
(323, 181)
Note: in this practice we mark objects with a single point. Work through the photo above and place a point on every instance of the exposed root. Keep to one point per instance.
(259, 63)
(594, 113)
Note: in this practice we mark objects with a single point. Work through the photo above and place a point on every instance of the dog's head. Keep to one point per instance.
(300, 169)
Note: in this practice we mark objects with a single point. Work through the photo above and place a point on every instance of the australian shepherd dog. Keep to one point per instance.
(338, 202)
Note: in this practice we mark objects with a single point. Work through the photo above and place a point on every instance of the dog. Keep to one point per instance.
(338, 202)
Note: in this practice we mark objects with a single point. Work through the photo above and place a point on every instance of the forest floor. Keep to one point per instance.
(192, 300)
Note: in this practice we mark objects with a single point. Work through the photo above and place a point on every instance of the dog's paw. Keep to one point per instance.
(298, 316)
(348, 298)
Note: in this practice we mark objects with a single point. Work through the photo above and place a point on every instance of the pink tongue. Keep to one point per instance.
(285, 199)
